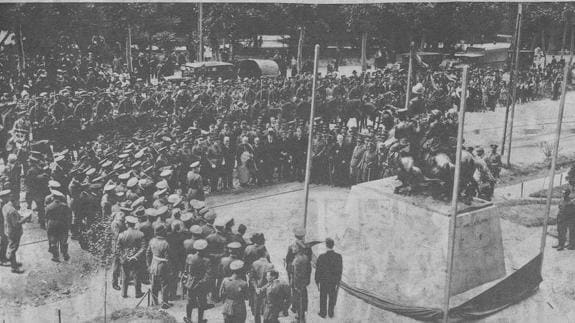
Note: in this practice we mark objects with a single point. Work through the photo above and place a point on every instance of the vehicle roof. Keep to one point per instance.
(208, 64)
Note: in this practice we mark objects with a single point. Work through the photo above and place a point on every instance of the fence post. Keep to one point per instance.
(59, 316)
(522, 183)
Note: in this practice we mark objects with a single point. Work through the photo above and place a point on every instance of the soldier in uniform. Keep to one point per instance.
(37, 183)
(216, 246)
(195, 183)
(258, 279)
(117, 226)
(354, 164)
(12, 228)
(566, 222)
(130, 250)
(158, 261)
(234, 293)
(276, 295)
(493, 161)
(59, 219)
(195, 280)
(298, 266)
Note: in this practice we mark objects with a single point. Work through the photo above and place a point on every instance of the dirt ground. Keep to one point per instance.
(77, 287)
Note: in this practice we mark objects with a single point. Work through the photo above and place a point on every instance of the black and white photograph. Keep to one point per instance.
(287, 162)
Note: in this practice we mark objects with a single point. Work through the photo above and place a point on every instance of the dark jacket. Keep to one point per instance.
(328, 268)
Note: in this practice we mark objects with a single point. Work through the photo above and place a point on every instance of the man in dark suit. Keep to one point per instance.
(327, 278)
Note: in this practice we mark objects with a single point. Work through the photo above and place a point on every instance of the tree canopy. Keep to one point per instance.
(394, 24)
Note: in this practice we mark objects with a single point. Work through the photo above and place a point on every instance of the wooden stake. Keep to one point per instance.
(454, 197)
(310, 137)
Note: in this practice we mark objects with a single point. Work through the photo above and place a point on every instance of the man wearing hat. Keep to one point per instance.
(14, 172)
(276, 295)
(12, 228)
(566, 222)
(195, 279)
(130, 249)
(216, 247)
(159, 264)
(258, 279)
(194, 183)
(37, 186)
(254, 250)
(298, 266)
(493, 161)
(233, 253)
(59, 219)
(234, 293)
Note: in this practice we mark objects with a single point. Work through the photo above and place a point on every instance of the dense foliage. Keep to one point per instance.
(389, 24)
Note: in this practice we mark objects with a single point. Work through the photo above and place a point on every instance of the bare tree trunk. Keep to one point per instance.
(200, 34)
(364, 51)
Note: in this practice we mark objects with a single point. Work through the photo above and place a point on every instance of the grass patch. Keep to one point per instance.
(556, 193)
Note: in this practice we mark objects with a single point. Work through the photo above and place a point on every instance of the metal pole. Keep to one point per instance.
(409, 73)
(516, 77)
(200, 33)
(566, 70)
(510, 87)
(454, 196)
(310, 136)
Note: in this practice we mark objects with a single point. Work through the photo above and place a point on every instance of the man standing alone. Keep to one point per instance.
(327, 278)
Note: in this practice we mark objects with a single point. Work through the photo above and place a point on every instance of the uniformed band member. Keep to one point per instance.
(59, 219)
(234, 293)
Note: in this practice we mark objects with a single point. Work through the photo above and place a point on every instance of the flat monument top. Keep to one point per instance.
(384, 188)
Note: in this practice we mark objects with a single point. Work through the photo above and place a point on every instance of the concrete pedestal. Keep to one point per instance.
(396, 247)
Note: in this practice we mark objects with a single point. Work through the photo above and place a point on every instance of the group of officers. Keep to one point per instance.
(161, 230)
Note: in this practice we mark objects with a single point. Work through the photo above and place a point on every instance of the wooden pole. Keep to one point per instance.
(454, 197)
(566, 71)
(510, 87)
(515, 78)
(409, 75)
(200, 33)
(59, 316)
(310, 137)
(300, 50)
(363, 51)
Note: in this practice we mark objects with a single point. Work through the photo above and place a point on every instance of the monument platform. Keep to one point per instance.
(395, 246)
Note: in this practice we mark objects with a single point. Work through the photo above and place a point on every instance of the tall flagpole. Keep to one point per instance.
(515, 78)
(310, 137)
(566, 70)
(454, 196)
(409, 75)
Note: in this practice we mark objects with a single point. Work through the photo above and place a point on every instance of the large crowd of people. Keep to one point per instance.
(89, 144)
